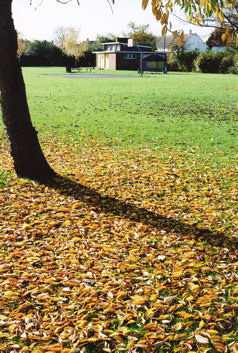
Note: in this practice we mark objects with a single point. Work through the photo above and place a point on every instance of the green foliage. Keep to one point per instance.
(43, 53)
(141, 35)
(220, 62)
(234, 68)
(109, 37)
(209, 62)
(226, 63)
(181, 60)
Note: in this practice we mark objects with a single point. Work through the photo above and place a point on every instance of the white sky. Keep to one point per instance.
(39, 20)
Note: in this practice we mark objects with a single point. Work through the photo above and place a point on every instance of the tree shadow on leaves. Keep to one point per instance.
(134, 213)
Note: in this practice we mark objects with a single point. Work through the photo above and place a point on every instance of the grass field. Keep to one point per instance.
(134, 249)
(178, 110)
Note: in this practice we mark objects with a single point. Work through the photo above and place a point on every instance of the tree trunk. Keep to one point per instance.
(28, 157)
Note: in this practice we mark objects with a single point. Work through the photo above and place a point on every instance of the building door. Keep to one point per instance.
(106, 61)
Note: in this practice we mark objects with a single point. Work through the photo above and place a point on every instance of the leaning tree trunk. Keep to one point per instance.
(28, 157)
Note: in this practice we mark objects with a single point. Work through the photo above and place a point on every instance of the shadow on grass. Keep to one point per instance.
(129, 211)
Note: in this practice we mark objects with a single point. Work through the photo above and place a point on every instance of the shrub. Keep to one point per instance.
(226, 63)
(234, 68)
(181, 60)
(209, 62)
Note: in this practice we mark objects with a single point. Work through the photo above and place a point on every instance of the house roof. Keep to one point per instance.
(121, 52)
(122, 43)
(164, 42)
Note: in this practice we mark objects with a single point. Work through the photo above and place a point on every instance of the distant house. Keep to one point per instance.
(191, 41)
(121, 55)
(217, 49)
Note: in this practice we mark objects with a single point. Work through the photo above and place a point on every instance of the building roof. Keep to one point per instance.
(164, 42)
(121, 52)
(122, 43)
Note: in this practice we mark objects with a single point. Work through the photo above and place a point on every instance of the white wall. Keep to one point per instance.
(217, 49)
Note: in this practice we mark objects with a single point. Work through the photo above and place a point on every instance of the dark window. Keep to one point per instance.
(129, 56)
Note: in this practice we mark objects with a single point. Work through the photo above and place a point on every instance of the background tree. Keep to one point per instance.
(21, 46)
(72, 45)
(141, 35)
(60, 36)
(43, 53)
(109, 37)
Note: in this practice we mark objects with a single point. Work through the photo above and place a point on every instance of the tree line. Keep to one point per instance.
(67, 50)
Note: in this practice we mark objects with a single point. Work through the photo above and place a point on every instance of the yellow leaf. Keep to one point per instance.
(11, 294)
(194, 287)
(180, 40)
(138, 300)
(163, 317)
(224, 37)
(127, 317)
(67, 223)
(184, 314)
(164, 19)
(206, 299)
(201, 324)
(142, 342)
(158, 15)
(25, 225)
(213, 332)
(177, 274)
(221, 15)
(121, 294)
(144, 3)
(12, 328)
(149, 313)
(55, 348)
(164, 30)
(124, 330)
(151, 326)
(131, 344)
(219, 347)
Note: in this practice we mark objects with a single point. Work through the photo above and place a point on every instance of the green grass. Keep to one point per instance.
(4, 179)
(182, 111)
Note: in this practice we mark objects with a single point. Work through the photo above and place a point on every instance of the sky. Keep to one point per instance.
(92, 17)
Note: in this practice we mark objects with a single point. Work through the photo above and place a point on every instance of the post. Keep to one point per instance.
(141, 63)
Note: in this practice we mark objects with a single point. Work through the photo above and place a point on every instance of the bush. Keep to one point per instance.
(181, 60)
(234, 68)
(209, 62)
(220, 62)
(43, 53)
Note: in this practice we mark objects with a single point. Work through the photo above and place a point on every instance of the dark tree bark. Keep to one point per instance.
(29, 160)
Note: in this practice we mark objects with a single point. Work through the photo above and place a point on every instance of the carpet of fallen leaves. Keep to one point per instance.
(128, 252)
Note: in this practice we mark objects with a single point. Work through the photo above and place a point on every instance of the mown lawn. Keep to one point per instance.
(178, 110)
(134, 249)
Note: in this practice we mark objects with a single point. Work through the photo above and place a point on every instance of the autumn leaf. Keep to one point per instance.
(144, 3)
(89, 263)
